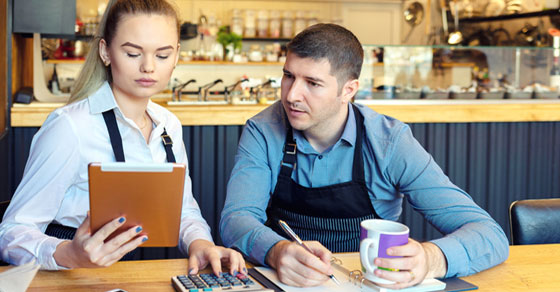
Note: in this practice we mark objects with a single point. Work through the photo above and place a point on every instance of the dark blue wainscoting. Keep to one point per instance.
(496, 163)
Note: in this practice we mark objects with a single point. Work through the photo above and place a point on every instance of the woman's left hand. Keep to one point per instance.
(202, 252)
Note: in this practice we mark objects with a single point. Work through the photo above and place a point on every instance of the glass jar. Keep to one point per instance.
(275, 24)
(300, 23)
(249, 29)
(255, 54)
(262, 24)
(287, 24)
(236, 22)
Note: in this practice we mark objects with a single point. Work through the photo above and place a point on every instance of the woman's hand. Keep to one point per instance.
(202, 252)
(91, 251)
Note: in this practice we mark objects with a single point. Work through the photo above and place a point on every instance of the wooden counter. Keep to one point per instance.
(410, 111)
(528, 268)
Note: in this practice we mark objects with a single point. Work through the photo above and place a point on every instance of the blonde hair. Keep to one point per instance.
(94, 72)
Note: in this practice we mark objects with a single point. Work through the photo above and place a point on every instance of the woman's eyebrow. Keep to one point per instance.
(129, 44)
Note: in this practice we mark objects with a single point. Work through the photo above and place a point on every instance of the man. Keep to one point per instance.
(323, 164)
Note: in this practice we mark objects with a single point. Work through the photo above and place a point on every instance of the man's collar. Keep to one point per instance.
(348, 134)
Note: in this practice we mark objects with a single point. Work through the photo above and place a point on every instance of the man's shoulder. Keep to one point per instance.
(271, 118)
(380, 126)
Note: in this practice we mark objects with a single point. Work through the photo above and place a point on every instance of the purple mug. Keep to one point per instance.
(376, 236)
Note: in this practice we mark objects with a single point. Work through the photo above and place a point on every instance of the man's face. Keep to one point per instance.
(143, 54)
(310, 94)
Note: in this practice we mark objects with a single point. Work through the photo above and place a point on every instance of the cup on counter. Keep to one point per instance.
(376, 236)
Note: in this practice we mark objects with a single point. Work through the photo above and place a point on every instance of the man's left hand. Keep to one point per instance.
(416, 262)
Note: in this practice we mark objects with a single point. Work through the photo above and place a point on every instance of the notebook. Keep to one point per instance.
(18, 279)
(347, 269)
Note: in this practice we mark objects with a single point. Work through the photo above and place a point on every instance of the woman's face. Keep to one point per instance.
(142, 54)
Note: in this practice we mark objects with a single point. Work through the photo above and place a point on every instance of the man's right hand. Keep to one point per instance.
(91, 251)
(295, 266)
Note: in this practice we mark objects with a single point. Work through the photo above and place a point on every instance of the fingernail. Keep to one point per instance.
(138, 229)
(144, 239)
(245, 270)
(389, 251)
(121, 220)
(191, 271)
(235, 272)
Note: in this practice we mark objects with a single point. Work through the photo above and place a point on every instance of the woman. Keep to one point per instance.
(132, 58)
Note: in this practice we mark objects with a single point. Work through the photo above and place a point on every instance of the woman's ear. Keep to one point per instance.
(178, 53)
(104, 52)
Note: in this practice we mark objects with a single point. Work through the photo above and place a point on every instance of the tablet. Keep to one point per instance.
(147, 194)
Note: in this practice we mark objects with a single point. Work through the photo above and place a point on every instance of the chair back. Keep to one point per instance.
(535, 221)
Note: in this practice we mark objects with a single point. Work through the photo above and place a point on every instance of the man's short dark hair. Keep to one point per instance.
(335, 43)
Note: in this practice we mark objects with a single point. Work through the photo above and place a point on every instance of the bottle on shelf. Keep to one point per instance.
(53, 83)
(555, 70)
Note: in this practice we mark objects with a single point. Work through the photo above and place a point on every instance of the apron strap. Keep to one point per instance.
(168, 145)
(358, 166)
(116, 140)
(114, 135)
(289, 160)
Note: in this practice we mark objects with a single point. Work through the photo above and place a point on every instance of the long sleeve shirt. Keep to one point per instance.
(54, 187)
(396, 166)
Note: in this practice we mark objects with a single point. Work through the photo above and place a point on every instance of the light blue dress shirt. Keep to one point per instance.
(396, 166)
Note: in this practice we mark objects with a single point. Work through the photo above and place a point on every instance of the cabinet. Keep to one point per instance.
(447, 72)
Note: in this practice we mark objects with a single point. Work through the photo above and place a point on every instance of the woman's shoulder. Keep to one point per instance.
(69, 113)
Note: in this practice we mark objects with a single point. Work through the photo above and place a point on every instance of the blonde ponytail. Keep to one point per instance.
(94, 73)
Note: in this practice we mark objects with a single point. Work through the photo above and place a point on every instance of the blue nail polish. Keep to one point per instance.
(191, 271)
(138, 229)
(245, 270)
(235, 272)
(121, 220)
(144, 239)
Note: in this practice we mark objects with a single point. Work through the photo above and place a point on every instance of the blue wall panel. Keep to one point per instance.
(496, 163)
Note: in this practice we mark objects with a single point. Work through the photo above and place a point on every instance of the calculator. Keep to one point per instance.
(210, 282)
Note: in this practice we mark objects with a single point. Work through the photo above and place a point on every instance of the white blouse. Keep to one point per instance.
(54, 187)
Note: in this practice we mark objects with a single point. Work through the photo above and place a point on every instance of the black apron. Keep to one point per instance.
(66, 232)
(329, 214)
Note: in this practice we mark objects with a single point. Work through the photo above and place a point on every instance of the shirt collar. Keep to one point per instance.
(348, 134)
(102, 100)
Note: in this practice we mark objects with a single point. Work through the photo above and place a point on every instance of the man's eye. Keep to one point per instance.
(314, 84)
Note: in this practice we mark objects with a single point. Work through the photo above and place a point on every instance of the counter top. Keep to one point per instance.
(410, 111)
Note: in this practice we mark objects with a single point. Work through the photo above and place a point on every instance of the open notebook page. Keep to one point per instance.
(349, 262)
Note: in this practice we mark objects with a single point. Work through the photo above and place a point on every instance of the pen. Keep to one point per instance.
(296, 238)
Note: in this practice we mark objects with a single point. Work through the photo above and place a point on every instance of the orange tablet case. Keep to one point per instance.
(150, 195)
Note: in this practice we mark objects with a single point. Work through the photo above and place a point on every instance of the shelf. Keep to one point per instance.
(282, 40)
(511, 16)
(208, 63)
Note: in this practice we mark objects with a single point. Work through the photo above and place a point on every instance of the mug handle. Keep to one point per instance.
(364, 248)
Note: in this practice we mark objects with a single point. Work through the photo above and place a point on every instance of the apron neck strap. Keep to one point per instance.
(116, 139)
(289, 161)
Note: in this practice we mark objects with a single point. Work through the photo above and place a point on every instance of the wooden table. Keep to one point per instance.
(529, 268)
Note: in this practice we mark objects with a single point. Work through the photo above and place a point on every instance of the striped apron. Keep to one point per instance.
(329, 214)
(66, 232)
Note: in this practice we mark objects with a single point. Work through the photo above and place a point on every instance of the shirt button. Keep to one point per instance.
(320, 156)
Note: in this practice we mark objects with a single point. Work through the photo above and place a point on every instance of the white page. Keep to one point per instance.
(17, 279)
(350, 262)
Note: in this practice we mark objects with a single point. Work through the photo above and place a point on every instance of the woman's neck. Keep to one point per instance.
(133, 108)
